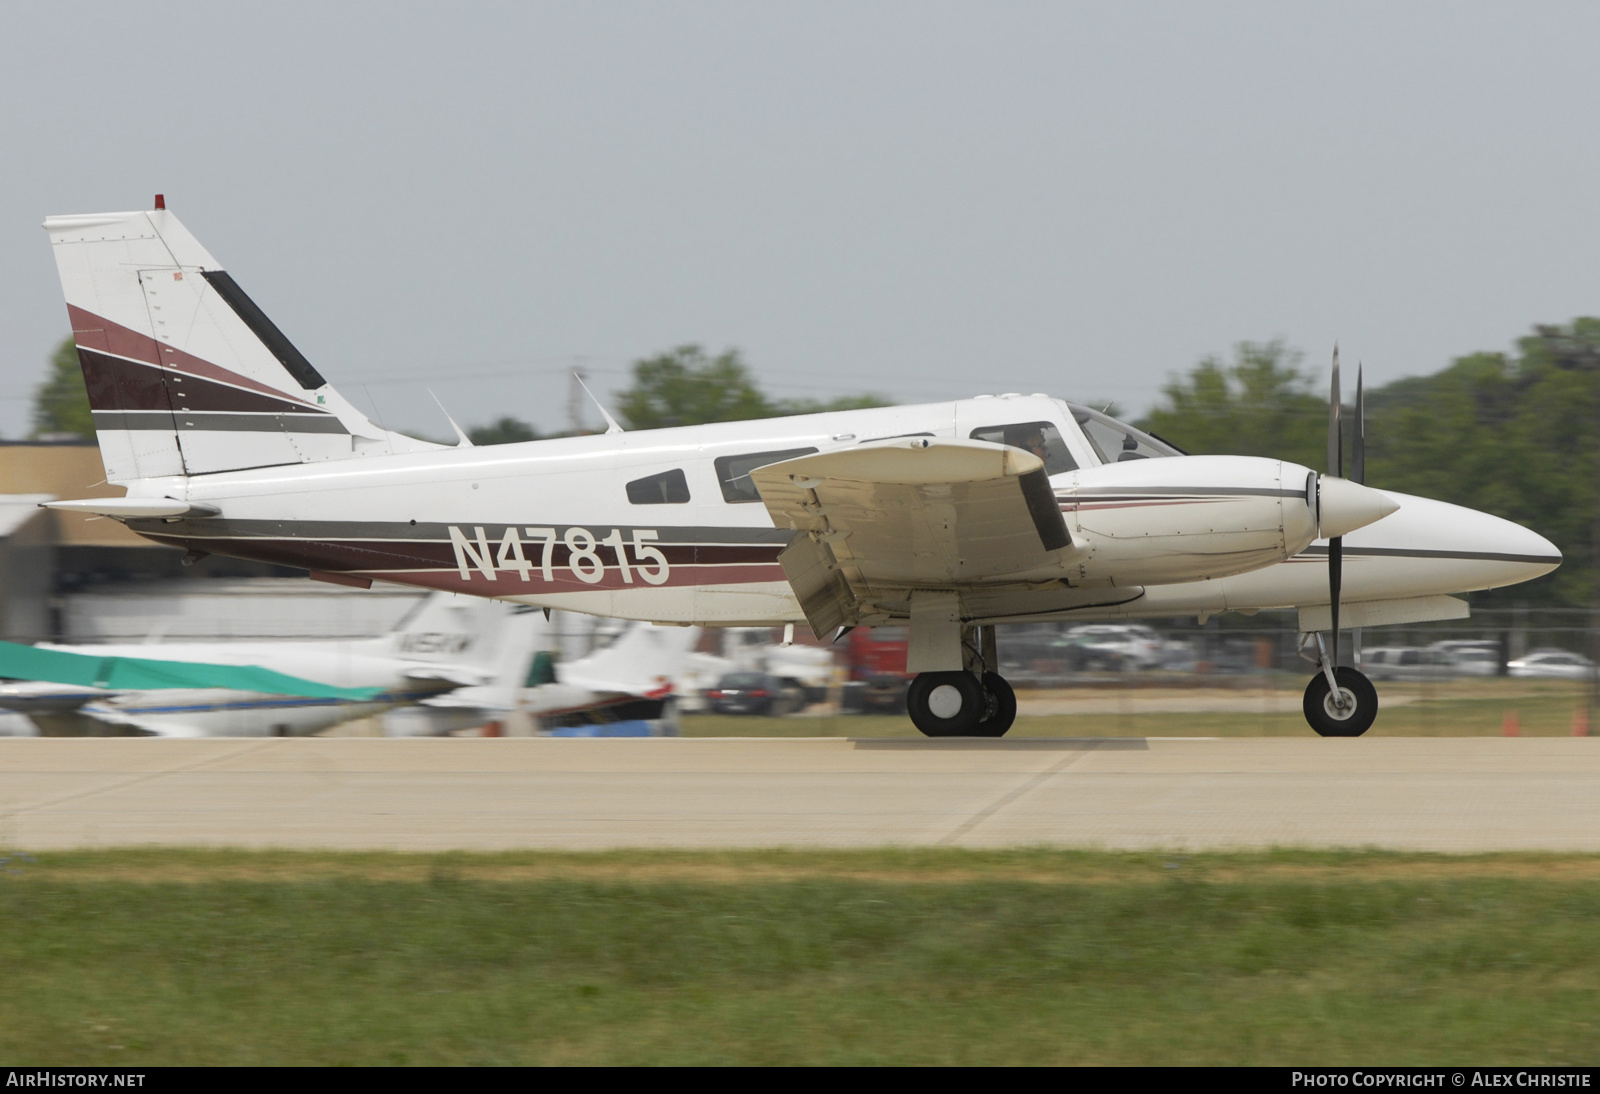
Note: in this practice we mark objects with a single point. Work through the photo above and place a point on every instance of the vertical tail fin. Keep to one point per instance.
(644, 661)
(185, 374)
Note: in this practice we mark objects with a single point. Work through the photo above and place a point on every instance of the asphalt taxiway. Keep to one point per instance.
(1436, 794)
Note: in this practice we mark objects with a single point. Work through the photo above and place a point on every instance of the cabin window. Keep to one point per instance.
(667, 488)
(1040, 438)
(733, 472)
(1115, 442)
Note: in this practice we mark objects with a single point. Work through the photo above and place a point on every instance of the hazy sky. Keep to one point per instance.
(927, 200)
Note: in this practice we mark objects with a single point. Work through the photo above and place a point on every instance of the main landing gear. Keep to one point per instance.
(974, 701)
(1339, 702)
(959, 704)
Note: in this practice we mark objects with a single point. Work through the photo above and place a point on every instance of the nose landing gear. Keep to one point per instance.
(1347, 714)
(1347, 710)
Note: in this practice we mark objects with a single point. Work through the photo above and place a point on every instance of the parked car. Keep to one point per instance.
(1115, 646)
(1551, 664)
(1404, 663)
(1440, 661)
(754, 693)
(1470, 657)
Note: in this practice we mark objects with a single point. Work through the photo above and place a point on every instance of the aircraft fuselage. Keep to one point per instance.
(664, 525)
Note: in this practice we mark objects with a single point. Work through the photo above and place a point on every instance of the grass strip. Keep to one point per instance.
(149, 957)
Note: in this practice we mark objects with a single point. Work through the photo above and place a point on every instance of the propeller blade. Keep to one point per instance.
(1358, 450)
(1335, 582)
(1336, 469)
(1335, 426)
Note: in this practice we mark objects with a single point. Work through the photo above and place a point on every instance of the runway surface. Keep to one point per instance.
(1439, 794)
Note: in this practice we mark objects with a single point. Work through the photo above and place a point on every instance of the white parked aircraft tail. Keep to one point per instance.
(644, 662)
(465, 640)
(186, 375)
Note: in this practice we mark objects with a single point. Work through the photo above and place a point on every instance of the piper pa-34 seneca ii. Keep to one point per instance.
(950, 517)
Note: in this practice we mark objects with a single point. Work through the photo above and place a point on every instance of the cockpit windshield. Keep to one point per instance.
(1115, 442)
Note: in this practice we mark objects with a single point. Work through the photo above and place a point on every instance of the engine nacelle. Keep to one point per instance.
(1188, 518)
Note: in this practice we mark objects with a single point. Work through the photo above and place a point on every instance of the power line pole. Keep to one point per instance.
(575, 400)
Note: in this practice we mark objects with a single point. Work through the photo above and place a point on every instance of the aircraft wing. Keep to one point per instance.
(920, 512)
(450, 676)
(106, 670)
(37, 697)
(140, 724)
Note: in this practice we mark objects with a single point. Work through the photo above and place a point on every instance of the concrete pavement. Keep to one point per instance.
(1437, 794)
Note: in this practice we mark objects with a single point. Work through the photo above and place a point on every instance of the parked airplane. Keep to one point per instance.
(446, 642)
(950, 517)
(626, 688)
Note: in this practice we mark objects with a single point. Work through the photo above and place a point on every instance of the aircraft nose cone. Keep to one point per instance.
(1526, 546)
(1344, 506)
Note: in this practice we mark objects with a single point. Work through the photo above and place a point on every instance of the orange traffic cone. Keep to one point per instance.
(1509, 727)
(1580, 722)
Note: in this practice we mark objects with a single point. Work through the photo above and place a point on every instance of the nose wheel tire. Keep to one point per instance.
(1331, 719)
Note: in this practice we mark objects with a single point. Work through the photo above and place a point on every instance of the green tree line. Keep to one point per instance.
(684, 386)
(1513, 434)
(688, 386)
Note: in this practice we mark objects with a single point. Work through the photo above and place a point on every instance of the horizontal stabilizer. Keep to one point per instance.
(456, 676)
(126, 508)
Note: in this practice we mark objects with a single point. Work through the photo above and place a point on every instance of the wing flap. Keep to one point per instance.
(141, 725)
(814, 575)
(924, 513)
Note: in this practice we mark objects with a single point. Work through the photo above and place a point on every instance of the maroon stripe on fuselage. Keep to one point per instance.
(115, 383)
(331, 555)
(92, 332)
(511, 585)
(687, 563)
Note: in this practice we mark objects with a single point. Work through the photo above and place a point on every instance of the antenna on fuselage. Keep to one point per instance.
(462, 440)
(611, 423)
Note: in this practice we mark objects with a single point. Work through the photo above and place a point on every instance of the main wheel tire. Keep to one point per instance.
(946, 704)
(1001, 705)
(1326, 718)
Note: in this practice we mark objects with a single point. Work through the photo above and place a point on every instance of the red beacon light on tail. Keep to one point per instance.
(161, 201)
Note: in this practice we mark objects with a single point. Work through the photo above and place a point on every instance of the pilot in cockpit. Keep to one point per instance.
(1029, 438)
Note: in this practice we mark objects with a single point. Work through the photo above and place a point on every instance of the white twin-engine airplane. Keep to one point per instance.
(950, 517)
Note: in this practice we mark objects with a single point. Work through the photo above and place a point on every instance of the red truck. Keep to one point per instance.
(876, 657)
